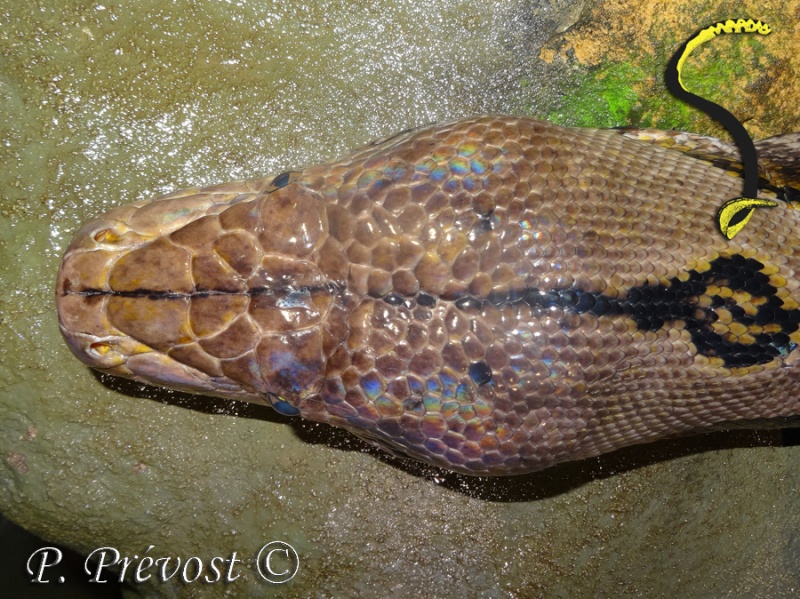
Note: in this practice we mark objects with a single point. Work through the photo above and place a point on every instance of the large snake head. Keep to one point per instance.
(214, 291)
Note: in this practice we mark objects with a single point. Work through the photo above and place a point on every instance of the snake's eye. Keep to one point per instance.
(480, 373)
(283, 179)
(282, 406)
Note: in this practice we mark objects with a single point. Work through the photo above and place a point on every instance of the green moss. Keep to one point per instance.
(633, 92)
(602, 97)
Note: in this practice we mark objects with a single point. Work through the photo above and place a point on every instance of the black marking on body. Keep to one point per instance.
(700, 302)
(768, 324)
(428, 301)
(394, 299)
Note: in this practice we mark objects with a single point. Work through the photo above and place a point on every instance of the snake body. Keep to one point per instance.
(493, 295)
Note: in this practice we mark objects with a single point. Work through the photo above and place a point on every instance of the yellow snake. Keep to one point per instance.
(493, 295)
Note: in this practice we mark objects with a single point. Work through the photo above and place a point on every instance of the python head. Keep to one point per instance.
(212, 290)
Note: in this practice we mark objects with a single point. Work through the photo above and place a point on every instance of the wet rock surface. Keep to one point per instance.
(106, 105)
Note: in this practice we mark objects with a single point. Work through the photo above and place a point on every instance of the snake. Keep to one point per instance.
(492, 295)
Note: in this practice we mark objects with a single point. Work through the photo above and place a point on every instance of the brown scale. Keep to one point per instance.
(493, 296)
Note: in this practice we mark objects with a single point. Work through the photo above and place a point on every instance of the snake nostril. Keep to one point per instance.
(106, 235)
(105, 354)
(100, 349)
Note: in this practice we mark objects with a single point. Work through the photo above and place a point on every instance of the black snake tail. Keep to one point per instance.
(735, 213)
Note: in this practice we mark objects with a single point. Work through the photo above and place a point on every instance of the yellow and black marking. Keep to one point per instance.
(735, 213)
(732, 309)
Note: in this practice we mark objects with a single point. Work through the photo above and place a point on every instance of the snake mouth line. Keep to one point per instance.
(331, 288)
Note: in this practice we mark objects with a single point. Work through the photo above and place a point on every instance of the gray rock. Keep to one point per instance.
(105, 105)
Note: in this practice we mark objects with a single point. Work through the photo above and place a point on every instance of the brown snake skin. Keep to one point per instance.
(493, 295)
